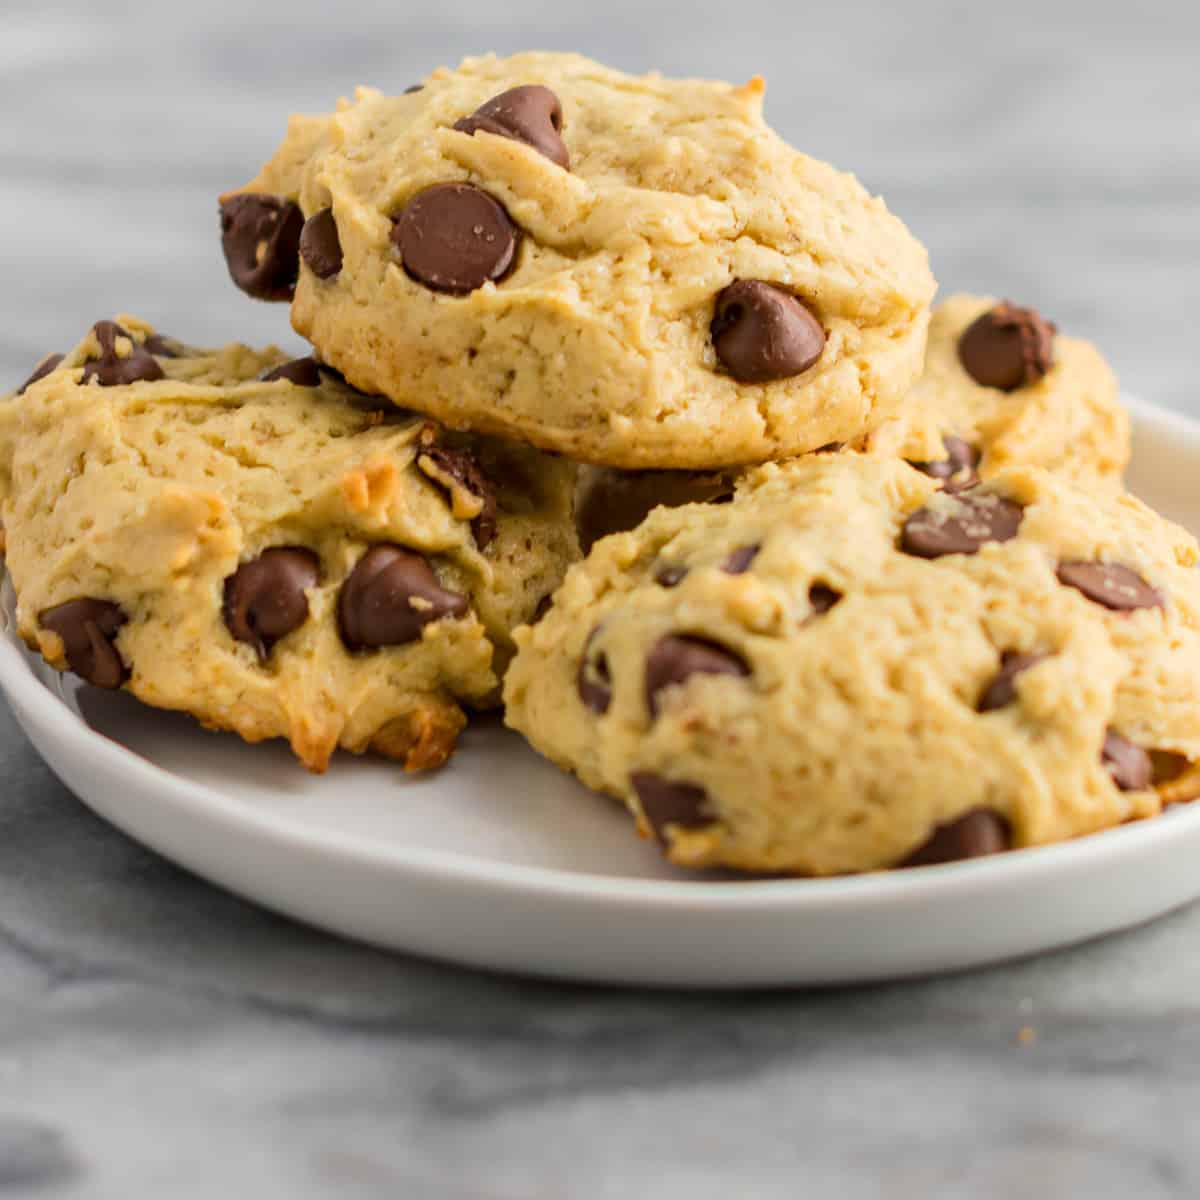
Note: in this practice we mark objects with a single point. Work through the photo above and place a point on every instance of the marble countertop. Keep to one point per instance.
(158, 1037)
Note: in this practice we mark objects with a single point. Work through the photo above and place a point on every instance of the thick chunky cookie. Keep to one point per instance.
(250, 540)
(1001, 387)
(1045, 401)
(846, 668)
(630, 270)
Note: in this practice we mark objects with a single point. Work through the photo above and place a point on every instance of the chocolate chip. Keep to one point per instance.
(973, 519)
(48, 364)
(669, 802)
(1008, 347)
(976, 833)
(531, 114)
(110, 369)
(87, 628)
(1110, 584)
(303, 372)
(390, 596)
(462, 467)
(1001, 689)
(260, 236)
(265, 598)
(1130, 766)
(320, 246)
(612, 501)
(822, 598)
(335, 376)
(593, 680)
(670, 575)
(957, 469)
(676, 658)
(762, 333)
(414, 87)
(162, 346)
(454, 237)
(738, 561)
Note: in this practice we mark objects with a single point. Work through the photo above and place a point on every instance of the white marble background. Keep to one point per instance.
(158, 1038)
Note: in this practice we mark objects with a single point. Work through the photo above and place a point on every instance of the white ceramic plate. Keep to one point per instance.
(501, 861)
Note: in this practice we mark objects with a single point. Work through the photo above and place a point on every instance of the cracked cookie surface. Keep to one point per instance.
(246, 538)
(627, 269)
(846, 668)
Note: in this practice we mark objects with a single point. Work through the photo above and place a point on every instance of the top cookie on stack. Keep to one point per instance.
(630, 270)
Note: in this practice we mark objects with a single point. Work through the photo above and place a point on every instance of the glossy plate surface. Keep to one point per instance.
(500, 861)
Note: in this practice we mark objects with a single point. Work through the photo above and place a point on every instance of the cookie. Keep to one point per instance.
(1058, 409)
(630, 270)
(248, 539)
(846, 668)
(1002, 387)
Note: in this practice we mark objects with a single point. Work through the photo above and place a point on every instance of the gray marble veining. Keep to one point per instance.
(158, 1037)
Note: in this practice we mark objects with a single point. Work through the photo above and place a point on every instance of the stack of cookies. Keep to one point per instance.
(625, 414)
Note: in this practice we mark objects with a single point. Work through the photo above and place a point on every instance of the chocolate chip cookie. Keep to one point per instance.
(848, 668)
(633, 271)
(1003, 387)
(248, 539)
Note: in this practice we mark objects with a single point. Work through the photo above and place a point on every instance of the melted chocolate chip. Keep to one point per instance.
(977, 833)
(48, 364)
(1130, 766)
(462, 467)
(1110, 584)
(822, 598)
(593, 680)
(265, 599)
(335, 376)
(975, 519)
(762, 333)
(676, 658)
(454, 237)
(320, 246)
(531, 114)
(87, 628)
(612, 501)
(260, 236)
(668, 802)
(1007, 348)
(1001, 689)
(957, 469)
(390, 596)
(110, 369)
(303, 372)
(738, 561)
(162, 346)
(670, 575)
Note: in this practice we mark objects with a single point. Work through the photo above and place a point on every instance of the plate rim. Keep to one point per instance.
(40, 707)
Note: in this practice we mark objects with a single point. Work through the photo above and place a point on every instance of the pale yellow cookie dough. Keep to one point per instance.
(851, 733)
(150, 495)
(1069, 421)
(597, 344)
